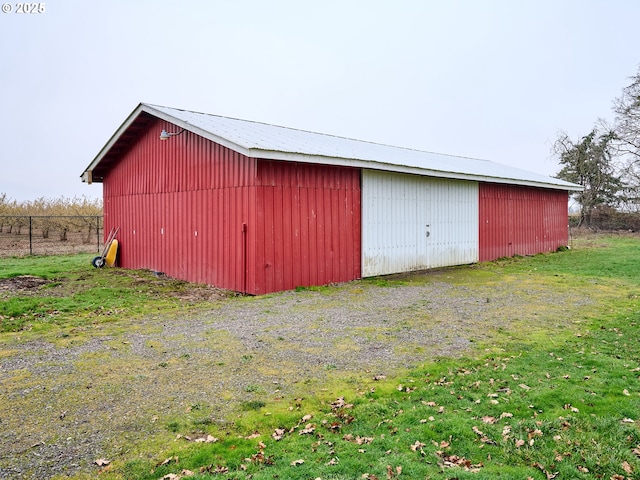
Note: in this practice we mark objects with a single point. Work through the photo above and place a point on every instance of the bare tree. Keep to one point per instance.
(627, 110)
(627, 128)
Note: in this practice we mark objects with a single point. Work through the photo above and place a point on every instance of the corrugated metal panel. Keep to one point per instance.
(158, 233)
(521, 220)
(191, 209)
(260, 140)
(256, 139)
(412, 223)
(181, 206)
(308, 224)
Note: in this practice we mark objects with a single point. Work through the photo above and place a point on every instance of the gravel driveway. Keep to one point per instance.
(62, 407)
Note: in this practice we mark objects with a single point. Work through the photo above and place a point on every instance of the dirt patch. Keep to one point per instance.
(21, 283)
(188, 292)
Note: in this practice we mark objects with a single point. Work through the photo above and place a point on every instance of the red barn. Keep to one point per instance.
(257, 208)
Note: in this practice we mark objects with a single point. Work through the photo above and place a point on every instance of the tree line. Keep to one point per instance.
(606, 162)
(60, 215)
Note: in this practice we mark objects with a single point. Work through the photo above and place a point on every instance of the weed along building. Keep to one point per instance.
(258, 208)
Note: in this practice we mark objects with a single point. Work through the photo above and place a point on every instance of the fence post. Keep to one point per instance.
(30, 236)
(98, 232)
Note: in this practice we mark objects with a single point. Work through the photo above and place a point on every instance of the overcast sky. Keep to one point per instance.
(487, 79)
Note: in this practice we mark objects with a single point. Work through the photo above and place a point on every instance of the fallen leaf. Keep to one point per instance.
(362, 440)
(101, 462)
(278, 434)
(335, 426)
(390, 473)
(549, 475)
(626, 392)
(417, 446)
(534, 433)
(297, 462)
(393, 473)
(167, 460)
(489, 420)
(340, 403)
(207, 439)
(524, 387)
(627, 468)
(253, 435)
(309, 428)
(105, 469)
(483, 437)
(451, 461)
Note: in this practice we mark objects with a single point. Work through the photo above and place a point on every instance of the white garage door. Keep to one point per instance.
(411, 222)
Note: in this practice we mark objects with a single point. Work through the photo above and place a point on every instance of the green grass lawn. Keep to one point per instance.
(559, 404)
(78, 295)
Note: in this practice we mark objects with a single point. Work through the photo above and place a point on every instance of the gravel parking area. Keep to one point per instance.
(64, 405)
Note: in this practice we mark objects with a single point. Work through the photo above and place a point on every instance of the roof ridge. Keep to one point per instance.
(319, 133)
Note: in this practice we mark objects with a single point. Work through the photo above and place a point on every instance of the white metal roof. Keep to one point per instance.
(261, 140)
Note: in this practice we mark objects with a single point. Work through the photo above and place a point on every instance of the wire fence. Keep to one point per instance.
(22, 235)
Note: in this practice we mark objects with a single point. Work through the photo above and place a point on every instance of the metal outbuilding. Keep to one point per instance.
(258, 208)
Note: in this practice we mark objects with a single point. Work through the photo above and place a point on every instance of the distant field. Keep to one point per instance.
(17, 245)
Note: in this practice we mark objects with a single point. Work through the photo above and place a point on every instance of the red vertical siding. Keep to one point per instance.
(308, 219)
(181, 205)
(201, 212)
(516, 220)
